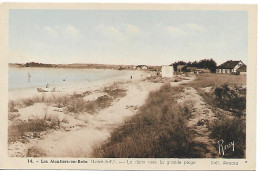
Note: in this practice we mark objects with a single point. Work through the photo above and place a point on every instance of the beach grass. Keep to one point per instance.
(159, 130)
(71, 103)
(227, 96)
(216, 80)
(154, 131)
(22, 130)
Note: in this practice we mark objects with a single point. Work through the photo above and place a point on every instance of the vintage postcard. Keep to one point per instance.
(128, 86)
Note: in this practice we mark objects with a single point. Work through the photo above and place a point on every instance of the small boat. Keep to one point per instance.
(46, 90)
(41, 90)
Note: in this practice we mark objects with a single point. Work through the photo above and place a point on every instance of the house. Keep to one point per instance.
(231, 67)
(191, 69)
(121, 68)
(141, 67)
(242, 70)
(167, 71)
(180, 67)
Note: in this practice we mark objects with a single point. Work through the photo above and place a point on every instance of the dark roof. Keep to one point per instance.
(141, 65)
(242, 68)
(229, 64)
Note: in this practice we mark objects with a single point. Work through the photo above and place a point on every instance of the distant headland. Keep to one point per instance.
(79, 65)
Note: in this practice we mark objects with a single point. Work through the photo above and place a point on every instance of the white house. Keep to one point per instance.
(167, 71)
(141, 67)
(231, 67)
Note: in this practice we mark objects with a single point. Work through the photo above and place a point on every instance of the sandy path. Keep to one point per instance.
(80, 142)
(201, 116)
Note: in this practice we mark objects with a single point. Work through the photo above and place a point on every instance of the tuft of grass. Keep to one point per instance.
(229, 130)
(115, 91)
(35, 152)
(11, 116)
(28, 102)
(21, 130)
(154, 132)
(11, 106)
(75, 103)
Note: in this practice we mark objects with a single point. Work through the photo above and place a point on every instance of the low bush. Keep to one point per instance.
(231, 99)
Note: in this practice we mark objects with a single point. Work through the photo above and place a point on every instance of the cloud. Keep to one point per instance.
(120, 32)
(55, 31)
(175, 30)
(51, 31)
(131, 30)
(196, 27)
(186, 29)
(70, 30)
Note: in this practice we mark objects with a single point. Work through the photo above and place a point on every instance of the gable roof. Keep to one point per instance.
(141, 66)
(242, 68)
(229, 64)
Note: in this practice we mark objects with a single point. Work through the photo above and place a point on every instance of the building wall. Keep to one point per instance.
(224, 71)
(228, 71)
(237, 66)
(167, 71)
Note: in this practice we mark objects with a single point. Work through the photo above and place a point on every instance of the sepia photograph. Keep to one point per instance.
(128, 83)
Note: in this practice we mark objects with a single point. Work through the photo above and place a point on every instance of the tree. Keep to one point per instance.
(204, 63)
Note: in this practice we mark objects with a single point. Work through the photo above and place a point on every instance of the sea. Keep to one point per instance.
(26, 77)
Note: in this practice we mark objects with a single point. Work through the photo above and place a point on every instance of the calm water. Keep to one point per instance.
(40, 77)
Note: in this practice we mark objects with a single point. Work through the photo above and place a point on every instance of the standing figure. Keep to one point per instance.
(29, 77)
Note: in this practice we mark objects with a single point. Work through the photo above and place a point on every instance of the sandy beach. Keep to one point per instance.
(84, 130)
(71, 87)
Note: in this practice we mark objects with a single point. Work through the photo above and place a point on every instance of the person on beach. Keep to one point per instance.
(29, 77)
(131, 77)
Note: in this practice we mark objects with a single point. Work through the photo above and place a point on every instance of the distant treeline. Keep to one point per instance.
(205, 63)
(79, 65)
(35, 64)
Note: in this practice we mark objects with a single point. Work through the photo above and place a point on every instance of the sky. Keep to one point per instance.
(130, 37)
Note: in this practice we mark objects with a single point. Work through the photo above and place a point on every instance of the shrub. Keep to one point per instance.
(231, 98)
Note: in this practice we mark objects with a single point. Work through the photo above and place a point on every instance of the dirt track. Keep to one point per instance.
(201, 117)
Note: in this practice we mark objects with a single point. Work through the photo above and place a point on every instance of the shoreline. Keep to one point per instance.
(76, 86)
(82, 66)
